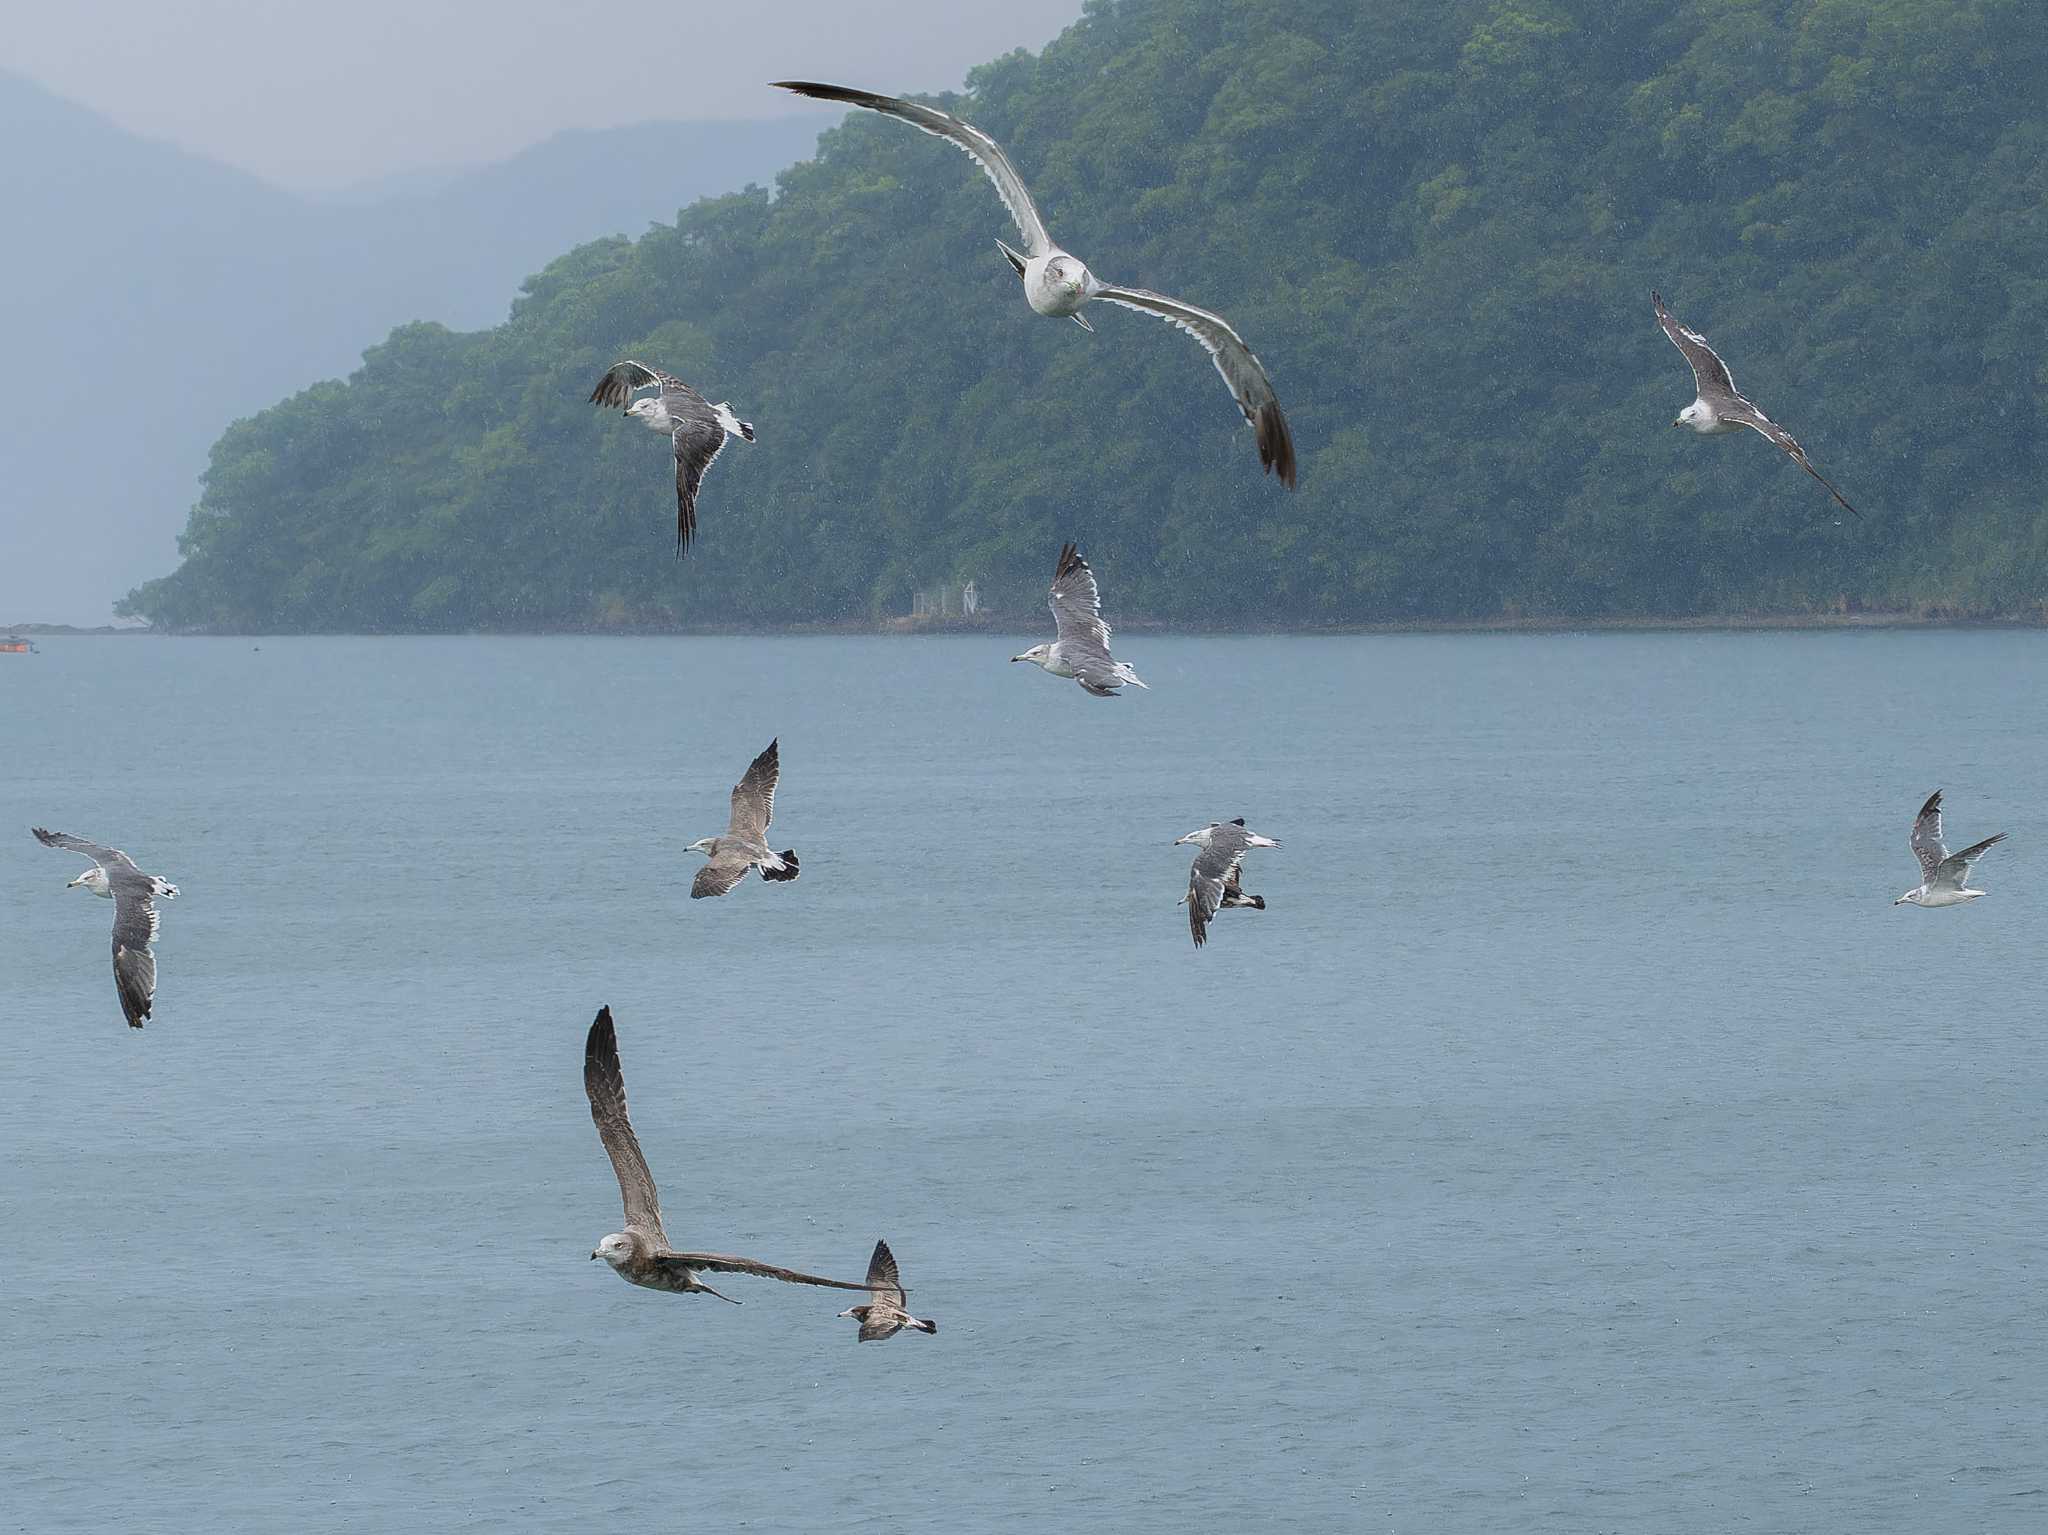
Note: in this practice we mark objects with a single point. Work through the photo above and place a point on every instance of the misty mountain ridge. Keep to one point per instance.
(209, 292)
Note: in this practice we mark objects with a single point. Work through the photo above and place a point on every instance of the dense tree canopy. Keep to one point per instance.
(1437, 221)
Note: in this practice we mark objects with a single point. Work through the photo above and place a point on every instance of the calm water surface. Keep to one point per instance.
(1580, 1141)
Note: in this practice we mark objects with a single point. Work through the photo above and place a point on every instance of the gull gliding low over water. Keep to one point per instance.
(134, 895)
(1944, 876)
(1081, 650)
(744, 845)
(640, 1254)
(1213, 877)
(1056, 282)
(697, 429)
(1718, 407)
(884, 1316)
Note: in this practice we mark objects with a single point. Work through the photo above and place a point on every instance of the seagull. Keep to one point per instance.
(1057, 282)
(696, 428)
(1944, 876)
(884, 1316)
(640, 1254)
(744, 845)
(1213, 877)
(1719, 408)
(113, 874)
(1082, 649)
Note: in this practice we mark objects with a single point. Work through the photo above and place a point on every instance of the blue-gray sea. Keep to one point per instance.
(1579, 1141)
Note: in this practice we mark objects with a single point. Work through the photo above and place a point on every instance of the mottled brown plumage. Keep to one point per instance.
(884, 1315)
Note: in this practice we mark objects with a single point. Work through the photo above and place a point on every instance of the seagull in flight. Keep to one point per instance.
(1944, 876)
(745, 843)
(113, 874)
(1056, 282)
(883, 1316)
(1082, 649)
(640, 1254)
(1213, 877)
(697, 429)
(1718, 407)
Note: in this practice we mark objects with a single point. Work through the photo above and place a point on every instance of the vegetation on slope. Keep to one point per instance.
(1438, 224)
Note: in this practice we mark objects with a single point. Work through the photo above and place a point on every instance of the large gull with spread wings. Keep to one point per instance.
(113, 874)
(1081, 649)
(1213, 877)
(640, 1254)
(697, 429)
(1718, 406)
(745, 843)
(1944, 876)
(1057, 282)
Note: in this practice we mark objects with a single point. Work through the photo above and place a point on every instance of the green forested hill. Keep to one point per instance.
(1437, 221)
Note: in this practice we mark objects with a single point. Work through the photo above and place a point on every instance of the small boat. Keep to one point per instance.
(15, 645)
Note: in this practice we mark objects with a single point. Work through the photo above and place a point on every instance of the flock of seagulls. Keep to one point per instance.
(1056, 283)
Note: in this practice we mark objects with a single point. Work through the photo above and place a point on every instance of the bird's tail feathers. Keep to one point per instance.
(164, 888)
(789, 868)
(746, 428)
(1082, 321)
(1016, 260)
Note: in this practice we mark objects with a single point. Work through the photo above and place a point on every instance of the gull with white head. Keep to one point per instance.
(113, 875)
(1944, 876)
(696, 428)
(1057, 282)
(884, 1315)
(1213, 877)
(640, 1254)
(1717, 406)
(745, 843)
(1081, 650)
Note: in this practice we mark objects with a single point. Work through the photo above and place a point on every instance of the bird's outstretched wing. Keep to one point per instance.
(882, 1276)
(726, 1263)
(1076, 602)
(1955, 869)
(726, 869)
(696, 444)
(1748, 415)
(605, 1085)
(622, 380)
(980, 148)
(1243, 372)
(108, 858)
(1926, 838)
(135, 922)
(753, 797)
(1710, 375)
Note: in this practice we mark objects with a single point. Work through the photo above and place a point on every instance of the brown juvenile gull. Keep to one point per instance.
(640, 1254)
(1057, 282)
(1944, 876)
(113, 874)
(1214, 873)
(744, 845)
(1718, 407)
(1082, 649)
(884, 1316)
(697, 429)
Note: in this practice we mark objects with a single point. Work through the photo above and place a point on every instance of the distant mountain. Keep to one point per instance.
(150, 297)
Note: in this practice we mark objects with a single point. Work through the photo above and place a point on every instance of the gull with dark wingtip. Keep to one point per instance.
(697, 429)
(1718, 407)
(884, 1316)
(113, 874)
(744, 845)
(1944, 876)
(1081, 649)
(1057, 282)
(640, 1254)
(1213, 877)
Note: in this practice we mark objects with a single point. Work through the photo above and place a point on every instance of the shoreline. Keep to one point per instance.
(1640, 624)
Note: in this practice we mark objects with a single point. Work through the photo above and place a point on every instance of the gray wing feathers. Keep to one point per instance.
(134, 963)
(726, 869)
(726, 1263)
(1242, 371)
(753, 797)
(112, 859)
(882, 1271)
(1955, 869)
(1076, 603)
(1926, 839)
(1743, 411)
(979, 147)
(605, 1084)
(1710, 375)
(696, 444)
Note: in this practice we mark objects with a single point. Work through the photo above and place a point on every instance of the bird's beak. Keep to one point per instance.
(76, 883)
(847, 1312)
(593, 1252)
(1900, 901)
(1016, 658)
(1678, 423)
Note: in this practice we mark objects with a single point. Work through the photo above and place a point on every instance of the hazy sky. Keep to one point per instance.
(319, 95)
